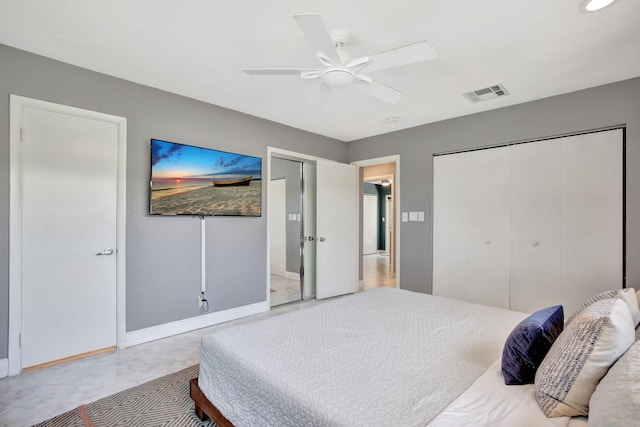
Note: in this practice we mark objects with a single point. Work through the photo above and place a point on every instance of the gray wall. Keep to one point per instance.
(163, 259)
(291, 171)
(617, 103)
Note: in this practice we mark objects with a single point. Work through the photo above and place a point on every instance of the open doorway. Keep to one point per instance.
(379, 268)
(285, 228)
(327, 234)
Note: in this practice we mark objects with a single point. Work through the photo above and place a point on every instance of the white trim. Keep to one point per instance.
(292, 155)
(396, 187)
(291, 275)
(153, 333)
(121, 238)
(4, 368)
(17, 103)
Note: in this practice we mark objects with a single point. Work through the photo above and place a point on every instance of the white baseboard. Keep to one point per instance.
(291, 275)
(4, 368)
(187, 325)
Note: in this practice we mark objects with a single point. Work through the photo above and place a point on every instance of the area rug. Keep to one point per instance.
(162, 402)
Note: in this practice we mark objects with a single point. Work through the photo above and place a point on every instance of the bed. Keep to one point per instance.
(380, 357)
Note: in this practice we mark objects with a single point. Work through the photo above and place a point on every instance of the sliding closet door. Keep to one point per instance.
(592, 204)
(536, 262)
(470, 226)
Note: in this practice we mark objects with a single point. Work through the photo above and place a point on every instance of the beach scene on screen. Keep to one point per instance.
(187, 180)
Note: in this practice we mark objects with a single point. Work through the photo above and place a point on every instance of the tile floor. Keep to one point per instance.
(38, 395)
(284, 290)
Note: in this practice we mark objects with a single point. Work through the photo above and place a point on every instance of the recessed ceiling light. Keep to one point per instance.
(589, 6)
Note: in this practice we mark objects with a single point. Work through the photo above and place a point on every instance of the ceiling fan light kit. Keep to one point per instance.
(338, 77)
(338, 70)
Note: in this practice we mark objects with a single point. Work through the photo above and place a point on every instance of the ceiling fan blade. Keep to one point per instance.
(280, 71)
(319, 97)
(358, 63)
(412, 53)
(313, 74)
(316, 32)
(325, 60)
(361, 78)
(381, 91)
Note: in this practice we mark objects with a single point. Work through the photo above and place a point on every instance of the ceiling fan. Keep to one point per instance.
(339, 70)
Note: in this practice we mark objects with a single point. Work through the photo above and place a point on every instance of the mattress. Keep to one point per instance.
(380, 357)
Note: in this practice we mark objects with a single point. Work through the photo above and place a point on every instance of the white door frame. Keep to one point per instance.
(395, 158)
(290, 155)
(387, 206)
(17, 103)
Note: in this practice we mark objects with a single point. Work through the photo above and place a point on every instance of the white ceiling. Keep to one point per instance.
(196, 48)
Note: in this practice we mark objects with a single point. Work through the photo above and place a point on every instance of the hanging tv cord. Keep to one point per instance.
(203, 304)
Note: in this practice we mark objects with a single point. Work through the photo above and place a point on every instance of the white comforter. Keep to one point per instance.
(381, 357)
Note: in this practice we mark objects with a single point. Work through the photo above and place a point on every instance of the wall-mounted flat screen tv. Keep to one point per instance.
(188, 180)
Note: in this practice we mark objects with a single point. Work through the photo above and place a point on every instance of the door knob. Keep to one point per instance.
(321, 239)
(107, 252)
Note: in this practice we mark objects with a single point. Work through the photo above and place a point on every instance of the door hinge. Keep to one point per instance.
(20, 340)
(21, 134)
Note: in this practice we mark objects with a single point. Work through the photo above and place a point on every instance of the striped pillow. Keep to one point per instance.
(581, 356)
(627, 294)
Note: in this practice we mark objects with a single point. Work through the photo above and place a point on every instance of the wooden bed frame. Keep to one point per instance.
(205, 409)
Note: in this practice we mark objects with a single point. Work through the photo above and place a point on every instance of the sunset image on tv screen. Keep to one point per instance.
(188, 180)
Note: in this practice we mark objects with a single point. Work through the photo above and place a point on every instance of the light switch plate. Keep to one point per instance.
(405, 217)
(413, 216)
(421, 216)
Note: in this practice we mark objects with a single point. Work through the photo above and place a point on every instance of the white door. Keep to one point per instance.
(369, 224)
(309, 226)
(536, 244)
(278, 226)
(592, 227)
(69, 182)
(337, 229)
(471, 227)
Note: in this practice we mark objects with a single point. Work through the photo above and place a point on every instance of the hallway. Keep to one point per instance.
(377, 271)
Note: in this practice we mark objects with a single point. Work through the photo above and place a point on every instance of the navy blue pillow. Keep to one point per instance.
(528, 343)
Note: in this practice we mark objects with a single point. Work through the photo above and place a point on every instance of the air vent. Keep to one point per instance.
(486, 93)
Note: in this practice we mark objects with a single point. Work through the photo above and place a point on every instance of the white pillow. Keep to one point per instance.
(581, 356)
(629, 296)
(616, 401)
